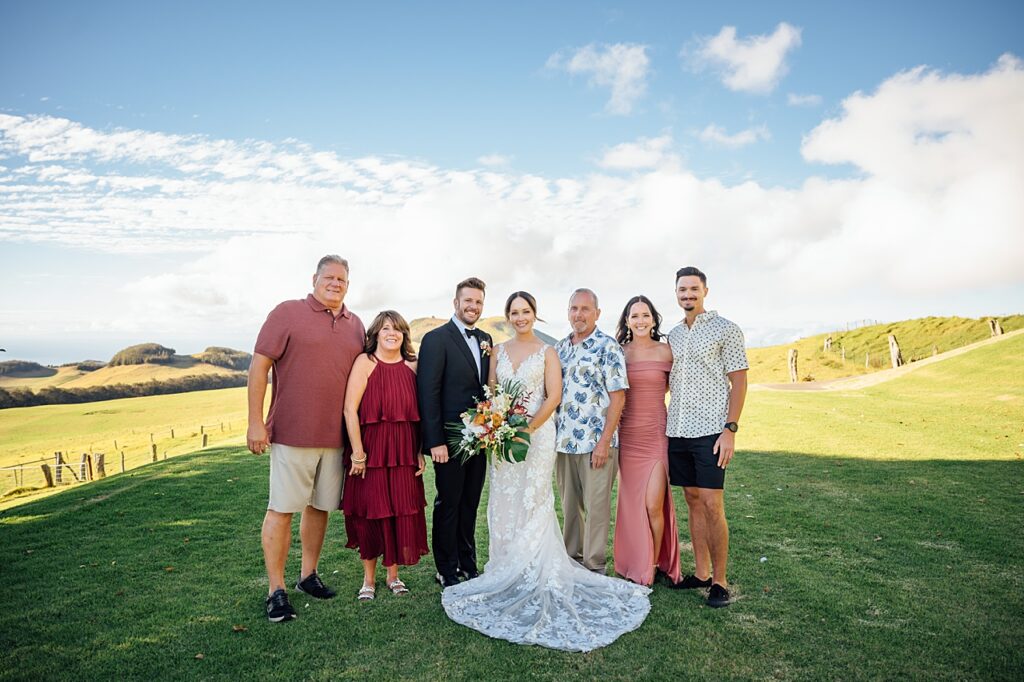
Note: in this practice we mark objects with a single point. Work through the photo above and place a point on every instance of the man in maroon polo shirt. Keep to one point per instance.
(311, 345)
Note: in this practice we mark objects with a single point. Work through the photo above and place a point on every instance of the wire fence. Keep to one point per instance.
(75, 465)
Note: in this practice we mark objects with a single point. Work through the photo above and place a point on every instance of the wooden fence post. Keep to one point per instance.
(205, 436)
(122, 461)
(172, 434)
(115, 444)
(867, 360)
(894, 352)
(58, 466)
(153, 447)
(101, 465)
(48, 475)
(83, 470)
(202, 429)
(793, 374)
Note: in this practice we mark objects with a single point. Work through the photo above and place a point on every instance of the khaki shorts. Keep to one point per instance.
(305, 476)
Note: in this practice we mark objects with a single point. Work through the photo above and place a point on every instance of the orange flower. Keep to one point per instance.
(480, 419)
(496, 419)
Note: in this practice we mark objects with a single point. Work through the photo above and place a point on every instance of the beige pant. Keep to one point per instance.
(586, 503)
(305, 476)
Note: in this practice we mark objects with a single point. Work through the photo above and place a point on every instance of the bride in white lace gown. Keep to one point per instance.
(531, 592)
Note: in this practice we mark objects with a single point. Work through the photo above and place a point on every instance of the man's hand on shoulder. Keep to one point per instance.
(257, 439)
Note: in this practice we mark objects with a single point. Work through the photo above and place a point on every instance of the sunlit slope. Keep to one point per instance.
(28, 433)
(867, 348)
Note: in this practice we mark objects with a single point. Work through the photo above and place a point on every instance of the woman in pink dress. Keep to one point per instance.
(383, 499)
(646, 540)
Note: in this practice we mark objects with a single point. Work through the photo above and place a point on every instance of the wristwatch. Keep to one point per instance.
(732, 426)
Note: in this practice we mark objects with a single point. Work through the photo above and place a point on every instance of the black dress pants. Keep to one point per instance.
(453, 537)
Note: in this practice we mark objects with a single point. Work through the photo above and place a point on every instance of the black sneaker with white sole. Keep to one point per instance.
(314, 587)
(279, 609)
(718, 596)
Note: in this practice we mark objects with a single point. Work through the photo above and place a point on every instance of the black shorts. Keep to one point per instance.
(692, 463)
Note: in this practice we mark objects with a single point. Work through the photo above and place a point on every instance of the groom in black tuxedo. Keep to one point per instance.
(453, 366)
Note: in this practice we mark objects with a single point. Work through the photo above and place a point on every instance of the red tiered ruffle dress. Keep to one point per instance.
(384, 511)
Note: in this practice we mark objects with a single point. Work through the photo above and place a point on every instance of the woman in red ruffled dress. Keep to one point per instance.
(383, 496)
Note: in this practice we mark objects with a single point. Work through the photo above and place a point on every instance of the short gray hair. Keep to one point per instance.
(584, 290)
(331, 258)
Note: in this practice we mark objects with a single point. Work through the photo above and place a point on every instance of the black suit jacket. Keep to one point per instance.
(447, 381)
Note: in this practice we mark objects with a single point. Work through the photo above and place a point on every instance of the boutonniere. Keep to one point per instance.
(485, 347)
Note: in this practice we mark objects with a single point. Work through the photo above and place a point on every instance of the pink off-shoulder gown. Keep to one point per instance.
(643, 446)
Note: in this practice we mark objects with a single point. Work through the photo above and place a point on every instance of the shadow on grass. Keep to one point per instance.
(841, 568)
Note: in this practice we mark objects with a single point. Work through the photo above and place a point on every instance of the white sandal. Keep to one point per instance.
(397, 587)
(366, 593)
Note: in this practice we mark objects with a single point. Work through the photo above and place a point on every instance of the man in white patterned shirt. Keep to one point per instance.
(708, 384)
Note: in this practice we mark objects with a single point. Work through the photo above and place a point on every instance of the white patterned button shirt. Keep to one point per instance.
(702, 357)
(591, 369)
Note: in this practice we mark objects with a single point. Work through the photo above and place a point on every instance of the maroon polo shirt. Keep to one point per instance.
(313, 352)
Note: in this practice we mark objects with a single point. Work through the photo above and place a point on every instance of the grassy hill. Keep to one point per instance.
(869, 540)
(917, 338)
(131, 367)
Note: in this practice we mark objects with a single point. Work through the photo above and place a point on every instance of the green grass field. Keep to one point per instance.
(875, 534)
(917, 338)
(30, 434)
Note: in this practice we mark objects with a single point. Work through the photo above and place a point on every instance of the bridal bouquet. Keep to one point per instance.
(495, 426)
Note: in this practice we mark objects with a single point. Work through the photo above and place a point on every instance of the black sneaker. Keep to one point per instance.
(718, 596)
(690, 582)
(278, 608)
(314, 587)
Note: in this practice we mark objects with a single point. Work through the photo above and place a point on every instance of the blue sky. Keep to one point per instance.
(584, 123)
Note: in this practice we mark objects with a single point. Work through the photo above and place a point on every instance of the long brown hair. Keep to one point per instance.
(370, 345)
(622, 331)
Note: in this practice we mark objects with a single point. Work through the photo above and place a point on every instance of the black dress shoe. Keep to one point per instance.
(469, 575)
(446, 580)
(718, 596)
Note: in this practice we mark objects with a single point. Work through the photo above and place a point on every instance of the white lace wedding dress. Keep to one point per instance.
(531, 592)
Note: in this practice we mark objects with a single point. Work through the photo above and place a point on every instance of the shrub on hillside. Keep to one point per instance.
(225, 357)
(19, 366)
(142, 354)
(89, 365)
(55, 395)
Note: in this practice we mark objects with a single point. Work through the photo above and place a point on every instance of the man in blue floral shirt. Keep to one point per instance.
(593, 394)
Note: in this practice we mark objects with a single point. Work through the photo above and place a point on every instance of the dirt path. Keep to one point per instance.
(865, 380)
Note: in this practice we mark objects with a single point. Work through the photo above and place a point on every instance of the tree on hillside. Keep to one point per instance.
(141, 354)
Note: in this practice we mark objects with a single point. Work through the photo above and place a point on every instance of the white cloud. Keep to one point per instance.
(755, 64)
(622, 67)
(717, 136)
(642, 154)
(794, 99)
(934, 215)
(494, 160)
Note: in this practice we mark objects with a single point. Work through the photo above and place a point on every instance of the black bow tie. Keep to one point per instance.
(473, 333)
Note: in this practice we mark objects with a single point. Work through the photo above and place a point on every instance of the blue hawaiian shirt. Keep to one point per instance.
(591, 369)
